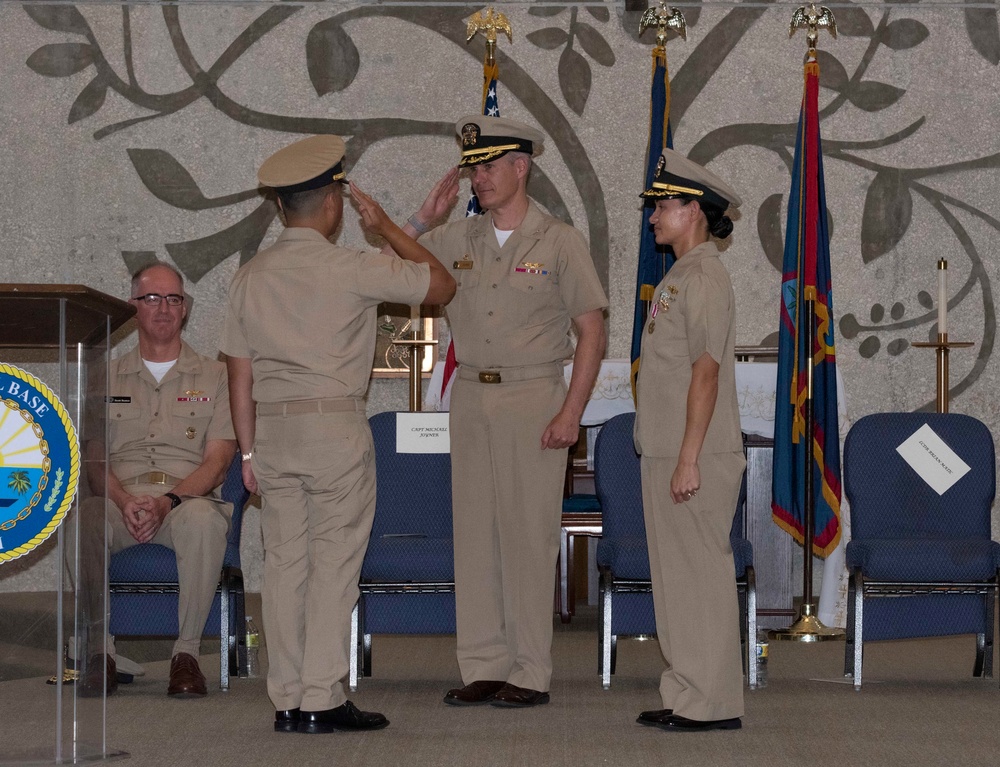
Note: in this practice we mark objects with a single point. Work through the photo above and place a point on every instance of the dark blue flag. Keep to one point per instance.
(654, 260)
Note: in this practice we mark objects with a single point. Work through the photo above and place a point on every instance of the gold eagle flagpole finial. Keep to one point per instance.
(663, 18)
(812, 19)
(489, 24)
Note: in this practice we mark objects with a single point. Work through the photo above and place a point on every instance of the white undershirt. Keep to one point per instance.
(502, 234)
(159, 369)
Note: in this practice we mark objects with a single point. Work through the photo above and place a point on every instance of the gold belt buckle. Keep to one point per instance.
(489, 376)
(157, 478)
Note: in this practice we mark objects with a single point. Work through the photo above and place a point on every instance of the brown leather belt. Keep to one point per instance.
(301, 407)
(152, 478)
(510, 375)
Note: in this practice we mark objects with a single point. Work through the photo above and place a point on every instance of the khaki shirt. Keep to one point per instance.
(695, 313)
(165, 426)
(305, 311)
(514, 304)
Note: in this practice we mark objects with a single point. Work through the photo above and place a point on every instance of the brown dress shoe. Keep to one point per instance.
(101, 670)
(474, 694)
(186, 679)
(512, 696)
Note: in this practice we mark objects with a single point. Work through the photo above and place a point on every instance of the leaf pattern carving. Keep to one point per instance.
(574, 79)
(769, 231)
(887, 214)
(58, 18)
(332, 58)
(170, 182)
(871, 96)
(549, 38)
(904, 33)
(61, 59)
(90, 100)
(981, 24)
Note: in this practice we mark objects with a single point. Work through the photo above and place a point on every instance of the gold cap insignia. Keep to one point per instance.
(470, 134)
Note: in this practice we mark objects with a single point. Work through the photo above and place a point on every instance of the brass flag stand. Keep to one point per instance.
(416, 344)
(942, 345)
(807, 627)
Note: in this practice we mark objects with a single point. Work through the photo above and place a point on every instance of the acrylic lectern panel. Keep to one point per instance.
(54, 342)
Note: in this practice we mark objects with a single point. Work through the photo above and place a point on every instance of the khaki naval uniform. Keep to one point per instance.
(690, 557)
(304, 312)
(158, 433)
(512, 314)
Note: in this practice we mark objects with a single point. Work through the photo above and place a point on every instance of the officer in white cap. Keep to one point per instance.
(524, 278)
(687, 430)
(300, 336)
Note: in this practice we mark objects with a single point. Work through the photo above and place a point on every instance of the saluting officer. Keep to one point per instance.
(300, 335)
(524, 278)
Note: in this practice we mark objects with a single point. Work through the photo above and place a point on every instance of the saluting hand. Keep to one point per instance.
(443, 195)
(373, 217)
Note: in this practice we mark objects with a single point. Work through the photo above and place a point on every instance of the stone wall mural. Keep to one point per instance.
(134, 131)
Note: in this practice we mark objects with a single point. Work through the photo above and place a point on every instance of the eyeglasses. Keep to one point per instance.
(154, 299)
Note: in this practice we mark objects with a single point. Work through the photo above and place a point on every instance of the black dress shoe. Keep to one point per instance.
(287, 720)
(512, 696)
(344, 717)
(653, 718)
(683, 724)
(474, 693)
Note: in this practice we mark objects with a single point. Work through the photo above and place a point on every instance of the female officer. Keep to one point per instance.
(687, 431)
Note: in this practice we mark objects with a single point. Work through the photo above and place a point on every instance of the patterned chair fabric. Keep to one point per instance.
(626, 601)
(922, 564)
(408, 575)
(143, 588)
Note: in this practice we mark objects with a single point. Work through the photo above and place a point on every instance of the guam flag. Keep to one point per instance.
(654, 260)
(805, 275)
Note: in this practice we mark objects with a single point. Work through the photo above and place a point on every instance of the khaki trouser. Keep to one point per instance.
(694, 586)
(316, 474)
(195, 531)
(507, 496)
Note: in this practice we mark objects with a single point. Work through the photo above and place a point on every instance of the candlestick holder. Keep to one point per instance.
(943, 346)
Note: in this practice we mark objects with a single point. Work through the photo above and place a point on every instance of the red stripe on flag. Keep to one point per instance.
(449, 367)
(811, 116)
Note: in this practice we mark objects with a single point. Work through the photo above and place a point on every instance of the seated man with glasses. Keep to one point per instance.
(171, 443)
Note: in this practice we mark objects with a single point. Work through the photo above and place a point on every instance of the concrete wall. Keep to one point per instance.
(136, 130)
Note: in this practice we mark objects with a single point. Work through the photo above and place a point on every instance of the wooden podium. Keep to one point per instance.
(63, 333)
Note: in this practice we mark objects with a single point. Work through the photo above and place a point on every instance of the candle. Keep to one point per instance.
(415, 316)
(942, 266)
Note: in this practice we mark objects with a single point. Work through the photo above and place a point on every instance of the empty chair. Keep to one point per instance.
(922, 563)
(142, 583)
(626, 599)
(408, 575)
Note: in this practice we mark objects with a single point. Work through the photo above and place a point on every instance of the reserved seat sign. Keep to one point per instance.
(422, 433)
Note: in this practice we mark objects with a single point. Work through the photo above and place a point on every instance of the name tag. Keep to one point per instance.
(463, 264)
(119, 400)
(422, 433)
(936, 463)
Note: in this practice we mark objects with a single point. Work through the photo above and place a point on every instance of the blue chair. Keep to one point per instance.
(408, 574)
(143, 589)
(921, 564)
(626, 593)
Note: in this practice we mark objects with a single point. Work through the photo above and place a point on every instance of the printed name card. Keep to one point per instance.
(935, 462)
(422, 433)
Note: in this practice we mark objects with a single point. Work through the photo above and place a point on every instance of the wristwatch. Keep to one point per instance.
(175, 500)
